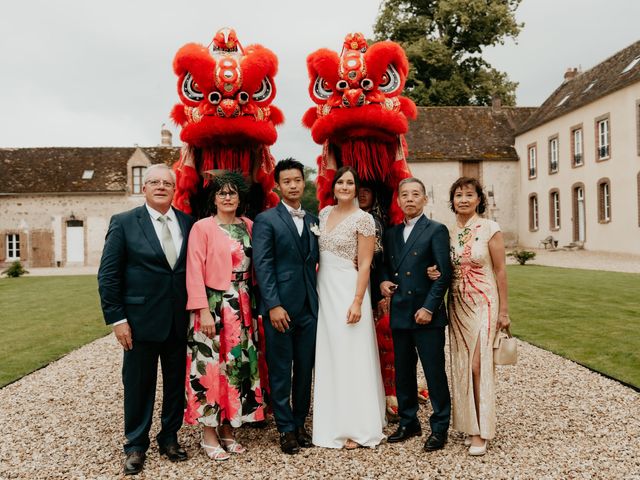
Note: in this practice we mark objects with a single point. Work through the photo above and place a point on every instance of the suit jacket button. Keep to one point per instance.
(415, 253)
(395, 274)
(409, 292)
(408, 274)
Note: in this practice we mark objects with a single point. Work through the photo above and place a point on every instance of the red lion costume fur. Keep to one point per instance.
(227, 120)
(360, 117)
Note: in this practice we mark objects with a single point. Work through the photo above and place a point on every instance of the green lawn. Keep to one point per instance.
(43, 318)
(589, 316)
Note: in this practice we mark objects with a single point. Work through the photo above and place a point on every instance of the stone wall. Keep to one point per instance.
(41, 222)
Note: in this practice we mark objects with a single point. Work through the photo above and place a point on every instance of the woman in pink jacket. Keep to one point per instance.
(223, 384)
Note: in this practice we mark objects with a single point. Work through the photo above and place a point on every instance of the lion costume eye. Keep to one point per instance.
(390, 80)
(320, 89)
(263, 92)
(190, 89)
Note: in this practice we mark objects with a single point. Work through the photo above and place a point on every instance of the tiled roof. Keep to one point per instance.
(589, 86)
(465, 133)
(60, 169)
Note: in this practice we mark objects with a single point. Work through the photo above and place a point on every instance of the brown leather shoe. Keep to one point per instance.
(289, 443)
(174, 452)
(134, 462)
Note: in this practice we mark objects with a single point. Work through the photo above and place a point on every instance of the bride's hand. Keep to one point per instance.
(354, 313)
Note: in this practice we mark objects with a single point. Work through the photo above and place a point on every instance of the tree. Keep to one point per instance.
(309, 199)
(444, 41)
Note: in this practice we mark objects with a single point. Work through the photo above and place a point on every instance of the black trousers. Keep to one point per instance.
(428, 345)
(139, 376)
(294, 350)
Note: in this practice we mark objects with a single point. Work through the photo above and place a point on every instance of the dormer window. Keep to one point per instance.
(87, 175)
(136, 179)
(632, 64)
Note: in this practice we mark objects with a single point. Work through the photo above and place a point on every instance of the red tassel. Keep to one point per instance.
(372, 160)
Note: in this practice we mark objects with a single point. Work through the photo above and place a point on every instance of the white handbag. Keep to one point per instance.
(505, 348)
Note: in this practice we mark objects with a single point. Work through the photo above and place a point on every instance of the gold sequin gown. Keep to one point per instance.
(473, 314)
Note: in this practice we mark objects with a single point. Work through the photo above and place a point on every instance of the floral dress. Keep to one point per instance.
(223, 376)
(473, 315)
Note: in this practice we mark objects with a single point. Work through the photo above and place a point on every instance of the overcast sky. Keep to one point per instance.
(89, 73)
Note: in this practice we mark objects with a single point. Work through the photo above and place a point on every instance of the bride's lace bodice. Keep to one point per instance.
(343, 239)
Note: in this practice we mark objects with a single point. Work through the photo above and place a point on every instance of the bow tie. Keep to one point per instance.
(297, 213)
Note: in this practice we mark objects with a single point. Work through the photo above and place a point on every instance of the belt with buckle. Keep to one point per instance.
(240, 276)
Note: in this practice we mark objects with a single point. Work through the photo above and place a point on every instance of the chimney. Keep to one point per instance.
(570, 73)
(496, 103)
(165, 137)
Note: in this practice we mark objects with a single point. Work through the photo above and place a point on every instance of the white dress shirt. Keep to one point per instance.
(174, 228)
(408, 226)
(299, 222)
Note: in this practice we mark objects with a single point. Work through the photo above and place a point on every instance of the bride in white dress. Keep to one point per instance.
(349, 401)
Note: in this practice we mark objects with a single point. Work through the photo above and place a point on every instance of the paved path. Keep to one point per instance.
(556, 420)
(614, 262)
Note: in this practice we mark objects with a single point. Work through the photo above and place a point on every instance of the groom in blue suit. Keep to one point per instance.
(285, 256)
(418, 314)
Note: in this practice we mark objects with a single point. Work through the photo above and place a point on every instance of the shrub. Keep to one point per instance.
(522, 256)
(15, 270)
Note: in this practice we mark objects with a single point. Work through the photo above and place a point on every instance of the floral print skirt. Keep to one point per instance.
(223, 381)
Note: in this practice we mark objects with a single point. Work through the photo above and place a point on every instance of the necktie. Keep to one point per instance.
(297, 213)
(167, 241)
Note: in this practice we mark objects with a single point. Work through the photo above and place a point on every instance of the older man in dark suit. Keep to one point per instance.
(285, 254)
(143, 294)
(418, 314)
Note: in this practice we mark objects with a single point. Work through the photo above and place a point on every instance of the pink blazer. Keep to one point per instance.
(208, 261)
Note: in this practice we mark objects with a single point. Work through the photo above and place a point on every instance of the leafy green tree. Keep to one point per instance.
(309, 199)
(444, 41)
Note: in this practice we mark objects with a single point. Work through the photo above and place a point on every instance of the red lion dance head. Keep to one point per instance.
(360, 117)
(227, 120)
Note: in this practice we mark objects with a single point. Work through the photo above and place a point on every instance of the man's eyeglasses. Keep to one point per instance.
(157, 183)
(226, 194)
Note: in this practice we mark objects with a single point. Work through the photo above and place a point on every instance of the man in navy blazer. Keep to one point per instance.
(143, 293)
(418, 313)
(285, 258)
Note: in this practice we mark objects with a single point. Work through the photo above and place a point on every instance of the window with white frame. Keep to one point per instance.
(533, 212)
(136, 178)
(554, 204)
(553, 155)
(578, 160)
(13, 246)
(603, 138)
(533, 161)
(604, 200)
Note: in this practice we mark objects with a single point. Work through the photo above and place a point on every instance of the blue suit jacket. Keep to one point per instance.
(406, 265)
(285, 275)
(135, 280)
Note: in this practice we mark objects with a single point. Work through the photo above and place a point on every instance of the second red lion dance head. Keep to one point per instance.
(360, 116)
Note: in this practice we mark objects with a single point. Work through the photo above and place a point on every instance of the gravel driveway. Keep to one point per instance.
(556, 419)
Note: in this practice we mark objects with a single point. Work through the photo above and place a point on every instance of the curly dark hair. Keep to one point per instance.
(235, 182)
(341, 171)
(474, 182)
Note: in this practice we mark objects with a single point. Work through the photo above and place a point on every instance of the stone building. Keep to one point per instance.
(580, 168)
(448, 142)
(55, 203)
